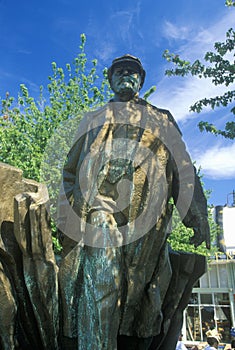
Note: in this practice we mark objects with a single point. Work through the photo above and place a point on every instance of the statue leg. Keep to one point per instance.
(99, 300)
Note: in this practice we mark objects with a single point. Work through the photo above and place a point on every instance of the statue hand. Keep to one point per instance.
(201, 234)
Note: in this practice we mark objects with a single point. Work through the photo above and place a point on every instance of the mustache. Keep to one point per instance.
(127, 78)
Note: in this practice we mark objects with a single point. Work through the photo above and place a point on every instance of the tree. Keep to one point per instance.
(26, 125)
(180, 237)
(220, 69)
(36, 134)
(230, 3)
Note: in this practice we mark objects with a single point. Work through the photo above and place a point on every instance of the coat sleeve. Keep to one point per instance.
(70, 169)
(197, 215)
(187, 192)
(66, 197)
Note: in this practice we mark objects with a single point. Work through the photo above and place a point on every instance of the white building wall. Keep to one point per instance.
(229, 228)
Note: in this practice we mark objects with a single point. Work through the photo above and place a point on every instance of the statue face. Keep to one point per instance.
(126, 81)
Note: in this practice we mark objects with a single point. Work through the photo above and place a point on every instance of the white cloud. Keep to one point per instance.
(124, 23)
(203, 39)
(198, 39)
(105, 51)
(218, 162)
(32, 86)
(176, 93)
(171, 31)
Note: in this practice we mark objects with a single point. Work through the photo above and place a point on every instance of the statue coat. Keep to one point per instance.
(127, 162)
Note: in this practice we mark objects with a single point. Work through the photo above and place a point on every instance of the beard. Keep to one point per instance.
(126, 86)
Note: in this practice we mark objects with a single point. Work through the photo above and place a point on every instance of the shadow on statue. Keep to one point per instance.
(118, 284)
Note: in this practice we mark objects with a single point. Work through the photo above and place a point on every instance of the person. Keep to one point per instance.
(116, 277)
(232, 333)
(180, 345)
(213, 339)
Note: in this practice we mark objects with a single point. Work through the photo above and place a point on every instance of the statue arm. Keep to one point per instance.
(197, 216)
(76, 155)
(194, 214)
(66, 197)
(70, 169)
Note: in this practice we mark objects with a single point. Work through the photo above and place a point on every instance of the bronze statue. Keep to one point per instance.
(118, 284)
(121, 286)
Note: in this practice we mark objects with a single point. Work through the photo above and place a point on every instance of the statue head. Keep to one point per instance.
(126, 77)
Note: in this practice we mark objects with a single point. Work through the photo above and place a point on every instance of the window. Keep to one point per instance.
(207, 311)
(206, 299)
(216, 277)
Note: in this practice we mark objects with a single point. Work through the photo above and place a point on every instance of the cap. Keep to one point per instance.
(127, 59)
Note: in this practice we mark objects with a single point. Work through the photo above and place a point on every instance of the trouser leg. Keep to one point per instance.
(99, 301)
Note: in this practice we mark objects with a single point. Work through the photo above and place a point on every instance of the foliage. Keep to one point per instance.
(220, 70)
(180, 237)
(26, 125)
(230, 2)
(149, 92)
(29, 138)
(35, 135)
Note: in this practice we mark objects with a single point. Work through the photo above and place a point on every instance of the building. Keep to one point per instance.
(212, 303)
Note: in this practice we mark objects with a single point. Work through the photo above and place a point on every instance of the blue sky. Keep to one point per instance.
(34, 34)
